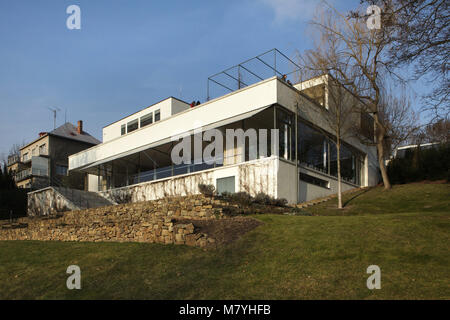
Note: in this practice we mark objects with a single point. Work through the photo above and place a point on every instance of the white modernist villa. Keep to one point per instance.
(135, 156)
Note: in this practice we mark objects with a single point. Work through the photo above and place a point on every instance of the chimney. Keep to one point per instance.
(80, 127)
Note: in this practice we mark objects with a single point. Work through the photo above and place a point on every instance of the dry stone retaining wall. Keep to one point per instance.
(152, 221)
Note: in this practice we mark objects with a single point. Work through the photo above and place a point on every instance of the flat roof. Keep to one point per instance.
(171, 97)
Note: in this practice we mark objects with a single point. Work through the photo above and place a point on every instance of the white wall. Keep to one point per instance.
(92, 182)
(252, 177)
(245, 100)
(167, 107)
(286, 180)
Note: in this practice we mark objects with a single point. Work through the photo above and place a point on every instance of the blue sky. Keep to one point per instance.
(129, 54)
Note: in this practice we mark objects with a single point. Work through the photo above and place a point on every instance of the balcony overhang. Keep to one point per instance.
(224, 110)
(168, 139)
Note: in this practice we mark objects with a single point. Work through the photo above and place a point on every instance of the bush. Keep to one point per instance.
(263, 198)
(281, 202)
(245, 199)
(421, 164)
(207, 189)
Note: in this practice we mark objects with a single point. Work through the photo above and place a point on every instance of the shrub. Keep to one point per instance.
(243, 198)
(279, 202)
(207, 189)
(262, 198)
(421, 164)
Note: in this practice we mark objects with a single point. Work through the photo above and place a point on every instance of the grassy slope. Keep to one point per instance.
(414, 197)
(319, 257)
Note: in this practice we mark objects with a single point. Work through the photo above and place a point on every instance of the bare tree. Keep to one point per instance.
(437, 132)
(340, 108)
(15, 149)
(363, 70)
(400, 121)
(419, 34)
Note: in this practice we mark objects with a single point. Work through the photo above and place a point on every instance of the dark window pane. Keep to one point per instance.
(146, 120)
(132, 125)
(313, 147)
(157, 115)
(313, 180)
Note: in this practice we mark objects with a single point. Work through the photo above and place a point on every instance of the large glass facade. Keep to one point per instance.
(313, 148)
(319, 152)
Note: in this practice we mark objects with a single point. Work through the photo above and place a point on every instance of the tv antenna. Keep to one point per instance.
(54, 110)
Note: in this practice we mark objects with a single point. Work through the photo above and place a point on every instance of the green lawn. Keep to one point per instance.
(405, 231)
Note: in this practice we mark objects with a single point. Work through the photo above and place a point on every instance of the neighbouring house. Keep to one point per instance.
(44, 161)
(401, 151)
(299, 165)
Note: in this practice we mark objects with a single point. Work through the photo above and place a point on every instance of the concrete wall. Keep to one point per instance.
(309, 191)
(245, 100)
(42, 202)
(167, 107)
(252, 177)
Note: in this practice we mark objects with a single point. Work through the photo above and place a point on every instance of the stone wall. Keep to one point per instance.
(152, 221)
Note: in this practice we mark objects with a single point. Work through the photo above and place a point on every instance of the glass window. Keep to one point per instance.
(146, 120)
(132, 125)
(320, 153)
(42, 149)
(313, 180)
(313, 147)
(367, 126)
(123, 129)
(225, 185)
(61, 170)
(286, 129)
(157, 115)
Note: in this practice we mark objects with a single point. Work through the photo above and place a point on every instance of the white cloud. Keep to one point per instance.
(293, 9)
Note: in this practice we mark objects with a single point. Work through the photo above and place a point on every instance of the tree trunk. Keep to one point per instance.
(338, 151)
(380, 149)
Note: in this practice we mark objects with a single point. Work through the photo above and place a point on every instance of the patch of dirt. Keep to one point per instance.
(224, 230)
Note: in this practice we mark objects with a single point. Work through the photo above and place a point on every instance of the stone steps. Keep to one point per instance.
(314, 202)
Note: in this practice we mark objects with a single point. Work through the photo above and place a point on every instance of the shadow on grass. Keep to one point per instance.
(355, 196)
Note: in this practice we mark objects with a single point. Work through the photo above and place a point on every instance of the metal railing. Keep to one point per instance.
(21, 175)
(265, 65)
(176, 170)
